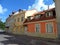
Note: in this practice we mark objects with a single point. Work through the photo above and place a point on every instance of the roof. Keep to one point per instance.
(43, 16)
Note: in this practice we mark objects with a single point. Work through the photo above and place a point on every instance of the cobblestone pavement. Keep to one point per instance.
(7, 39)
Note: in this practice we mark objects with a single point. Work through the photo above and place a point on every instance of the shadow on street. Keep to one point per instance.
(20, 40)
(9, 39)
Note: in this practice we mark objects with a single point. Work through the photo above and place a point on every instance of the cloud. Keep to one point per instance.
(39, 5)
(2, 10)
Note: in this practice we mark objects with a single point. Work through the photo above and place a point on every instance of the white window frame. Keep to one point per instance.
(37, 16)
(26, 29)
(22, 18)
(49, 14)
(39, 27)
(52, 26)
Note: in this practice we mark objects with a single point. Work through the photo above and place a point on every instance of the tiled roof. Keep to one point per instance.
(43, 16)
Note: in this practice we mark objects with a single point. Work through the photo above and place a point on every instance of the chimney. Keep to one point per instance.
(20, 10)
(13, 12)
(10, 15)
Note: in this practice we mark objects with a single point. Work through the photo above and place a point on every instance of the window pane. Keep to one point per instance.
(49, 28)
(49, 14)
(26, 28)
(18, 19)
(37, 16)
(21, 18)
(37, 27)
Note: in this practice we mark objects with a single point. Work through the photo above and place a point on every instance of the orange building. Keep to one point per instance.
(42, 24)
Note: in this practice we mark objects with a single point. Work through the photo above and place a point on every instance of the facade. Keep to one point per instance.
(42, 24)
(9, 24)
(14, 22)
(19, 18)
(57, 8)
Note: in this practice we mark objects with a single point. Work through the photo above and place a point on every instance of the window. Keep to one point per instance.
(26, 28)
(49, 14)
(18, 19)
(49, 27)
(22, 18)
(37, 27)
(37, 16)
(15, 20)
(30, 17)
(54, 13)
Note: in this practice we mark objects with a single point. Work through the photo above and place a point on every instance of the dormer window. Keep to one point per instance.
(54, 13)
(37, 16)
(30, 17)
(49, 14)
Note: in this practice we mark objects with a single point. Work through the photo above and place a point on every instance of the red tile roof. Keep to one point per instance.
(43, 16)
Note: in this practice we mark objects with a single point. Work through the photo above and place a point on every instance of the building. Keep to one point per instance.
(30, 12)
(19, 18)
(39, 24)
(14, 23)
(9, 24)
(57, 9)
(42, 24)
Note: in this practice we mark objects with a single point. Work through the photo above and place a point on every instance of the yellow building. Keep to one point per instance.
(14, 22)
(19, 18)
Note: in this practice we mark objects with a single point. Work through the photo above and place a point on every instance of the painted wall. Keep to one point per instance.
(18, 25)
(31, 30)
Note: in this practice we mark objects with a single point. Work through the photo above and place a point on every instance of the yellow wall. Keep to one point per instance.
(18, 25)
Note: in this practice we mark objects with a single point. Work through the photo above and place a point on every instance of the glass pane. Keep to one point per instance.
(49, 28)
(37, 27)
(21, 18)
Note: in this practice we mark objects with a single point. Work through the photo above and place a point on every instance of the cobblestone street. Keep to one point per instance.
(7, 39)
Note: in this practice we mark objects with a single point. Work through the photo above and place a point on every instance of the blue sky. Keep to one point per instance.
(7, 6)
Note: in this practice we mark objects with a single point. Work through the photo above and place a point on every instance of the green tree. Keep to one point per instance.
(2, 25)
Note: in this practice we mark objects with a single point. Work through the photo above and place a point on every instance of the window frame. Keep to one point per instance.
(48, 14)
(22, 19)
(26, 28)
(47, 31)
(18, 19)
(37, 16)
(39, 27)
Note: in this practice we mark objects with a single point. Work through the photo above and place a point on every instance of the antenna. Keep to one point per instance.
(48, 7)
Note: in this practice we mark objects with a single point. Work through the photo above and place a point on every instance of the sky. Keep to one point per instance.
(7, 6)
